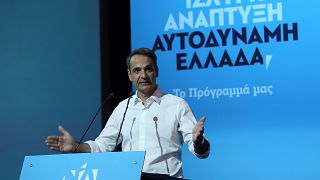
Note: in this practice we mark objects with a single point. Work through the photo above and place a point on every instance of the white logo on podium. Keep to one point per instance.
(82, 174)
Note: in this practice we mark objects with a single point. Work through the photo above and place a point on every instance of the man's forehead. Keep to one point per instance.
(142, 61)
(141, 65)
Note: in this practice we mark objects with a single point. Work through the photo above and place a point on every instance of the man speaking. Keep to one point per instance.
(151, 121)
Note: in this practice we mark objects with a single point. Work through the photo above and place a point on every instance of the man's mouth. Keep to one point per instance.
(144, 83)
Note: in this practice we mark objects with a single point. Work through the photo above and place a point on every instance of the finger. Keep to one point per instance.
(51, 141)
(62, 130)
(54, 148)
(201, 131)
(201, 128)
(53, 138)
(203, 119)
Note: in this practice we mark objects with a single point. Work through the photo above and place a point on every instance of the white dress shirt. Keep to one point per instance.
(159, 127)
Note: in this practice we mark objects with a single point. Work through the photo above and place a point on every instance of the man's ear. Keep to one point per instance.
(129, 75)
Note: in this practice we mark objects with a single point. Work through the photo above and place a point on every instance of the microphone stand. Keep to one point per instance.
(111, 95)
(116, 148)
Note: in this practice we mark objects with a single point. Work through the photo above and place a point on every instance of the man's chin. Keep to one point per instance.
(146, 88)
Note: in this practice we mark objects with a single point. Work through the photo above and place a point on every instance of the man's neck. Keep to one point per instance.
(144, 96)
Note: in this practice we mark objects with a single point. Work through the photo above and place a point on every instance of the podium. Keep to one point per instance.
(84, 166)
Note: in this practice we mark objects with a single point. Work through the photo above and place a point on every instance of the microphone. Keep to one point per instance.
(111, 95)
(155, 119)
(124, 115)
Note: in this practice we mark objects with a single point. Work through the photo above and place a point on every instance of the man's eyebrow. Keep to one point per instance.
(148, 66)
(139, 67)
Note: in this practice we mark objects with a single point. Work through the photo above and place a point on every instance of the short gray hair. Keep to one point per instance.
(145, 52)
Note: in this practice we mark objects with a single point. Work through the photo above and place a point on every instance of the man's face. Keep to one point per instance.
(143, 74)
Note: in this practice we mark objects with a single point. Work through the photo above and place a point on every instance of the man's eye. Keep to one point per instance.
(136, 71)
(149, 69)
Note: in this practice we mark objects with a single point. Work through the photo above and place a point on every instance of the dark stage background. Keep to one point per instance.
(59, 59)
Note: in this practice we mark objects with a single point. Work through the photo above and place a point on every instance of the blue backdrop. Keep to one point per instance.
(251, 68)
(49, 75)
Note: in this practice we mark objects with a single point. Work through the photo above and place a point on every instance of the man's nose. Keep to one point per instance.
(143, 74)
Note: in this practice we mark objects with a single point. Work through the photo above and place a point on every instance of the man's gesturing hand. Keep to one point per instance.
(197, 132)
(63, 143)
